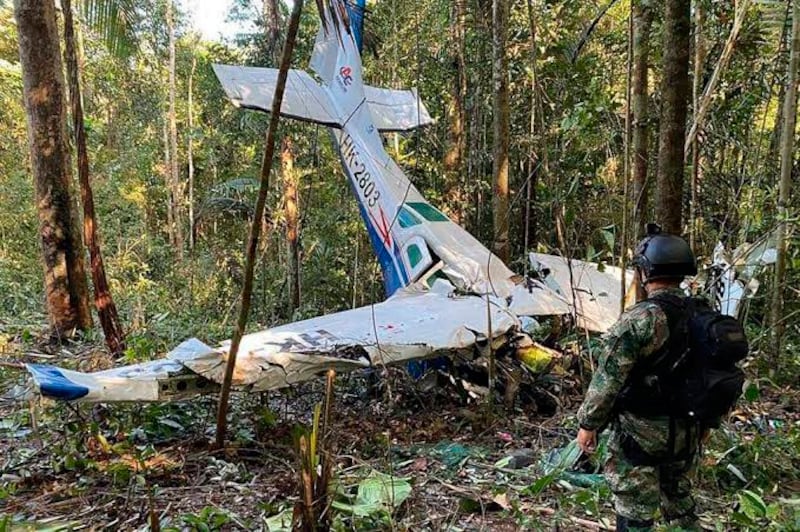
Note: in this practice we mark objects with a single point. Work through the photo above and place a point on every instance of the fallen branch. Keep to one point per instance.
(591, 525)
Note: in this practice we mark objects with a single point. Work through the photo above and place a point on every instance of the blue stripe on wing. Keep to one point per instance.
(53, 383)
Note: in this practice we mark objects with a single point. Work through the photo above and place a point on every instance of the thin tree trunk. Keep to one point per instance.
(190, 152)
(168, 182)
(454, 157)
(534, 160)
(500, 130)
(724, 58)
(626, 164)
(175, 184)
(640, 97)
(697, 83)
(787, 163)
(272, 24)
(775, 137)
(103, 301)
(292, 223)
(255, 226)
(674, 96)
(66, 289)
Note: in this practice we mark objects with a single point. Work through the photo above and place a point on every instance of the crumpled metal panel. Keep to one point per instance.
(593, 296)
(411, 325)
(406, 327)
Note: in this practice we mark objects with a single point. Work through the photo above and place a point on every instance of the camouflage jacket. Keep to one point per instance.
(641, 331)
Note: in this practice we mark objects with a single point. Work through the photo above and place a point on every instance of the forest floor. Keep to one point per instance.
(123, 466)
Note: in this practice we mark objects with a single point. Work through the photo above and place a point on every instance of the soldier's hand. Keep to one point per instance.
(587, 440)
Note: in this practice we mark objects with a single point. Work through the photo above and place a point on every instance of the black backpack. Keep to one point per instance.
(694, 377)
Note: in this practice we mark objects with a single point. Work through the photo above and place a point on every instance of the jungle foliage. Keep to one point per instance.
(567, 187)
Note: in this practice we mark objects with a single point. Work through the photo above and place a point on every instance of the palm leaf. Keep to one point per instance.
(224, 208)
(115, 21)
(240, 185)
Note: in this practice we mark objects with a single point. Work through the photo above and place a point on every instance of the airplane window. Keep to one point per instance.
(437, 275)
(428, 212)
(406, 218)
(414, 255)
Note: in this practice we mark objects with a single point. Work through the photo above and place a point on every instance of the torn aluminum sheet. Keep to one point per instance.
(731, 278)
(405, 327)
(157, 380)
(593, 295)
(726, 290)
(410, 325)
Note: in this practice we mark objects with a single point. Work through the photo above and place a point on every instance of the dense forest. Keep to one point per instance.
(561, 126)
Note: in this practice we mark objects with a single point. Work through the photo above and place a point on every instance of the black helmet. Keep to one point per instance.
(662, 256)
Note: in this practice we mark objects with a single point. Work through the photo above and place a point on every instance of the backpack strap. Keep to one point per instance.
(668, 356)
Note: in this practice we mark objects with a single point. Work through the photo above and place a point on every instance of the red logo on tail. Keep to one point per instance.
(346, 73)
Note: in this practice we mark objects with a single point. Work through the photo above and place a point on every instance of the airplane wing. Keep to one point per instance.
(595, 294)
(409, 326)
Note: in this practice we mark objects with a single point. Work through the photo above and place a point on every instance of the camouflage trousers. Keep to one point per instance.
(641, 490)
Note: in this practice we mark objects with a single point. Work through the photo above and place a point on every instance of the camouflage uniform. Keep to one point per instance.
(639, 490)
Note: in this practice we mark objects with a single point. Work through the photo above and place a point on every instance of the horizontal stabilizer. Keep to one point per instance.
(396, 110)
(304, 99)
(254, 88)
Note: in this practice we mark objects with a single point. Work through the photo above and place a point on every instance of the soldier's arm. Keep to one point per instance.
(636, 334)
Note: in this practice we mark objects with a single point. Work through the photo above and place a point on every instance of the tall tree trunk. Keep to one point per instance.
(43, 94)
(727, 51)
(190, 152)
(535, 162)
(292, 223)
(697, 84)
(175, 180)
(775, 137)
(255, 226)
(674, 98)
(640, 97)
(787, 163)
(500, 129)
(168, 182)
(272, 24)
(103, 302)
(454, 157)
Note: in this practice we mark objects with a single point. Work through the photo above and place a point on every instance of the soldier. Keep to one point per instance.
(651, 458)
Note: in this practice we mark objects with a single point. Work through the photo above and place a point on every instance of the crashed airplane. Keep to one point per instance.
(446, 293)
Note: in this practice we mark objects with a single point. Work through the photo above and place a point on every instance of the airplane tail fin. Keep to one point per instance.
(337, 60)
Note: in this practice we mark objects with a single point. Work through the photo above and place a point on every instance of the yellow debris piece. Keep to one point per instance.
(537, 357)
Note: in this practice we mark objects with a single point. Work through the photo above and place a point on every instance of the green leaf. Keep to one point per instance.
(742, 519)
(540, 484)
(115, 21)
(562, 459)
(609, 238)
(281, 522)
(752, 504)
(751, 392)
(377, 493)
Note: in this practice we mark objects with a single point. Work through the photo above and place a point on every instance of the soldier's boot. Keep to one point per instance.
(632, 525)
